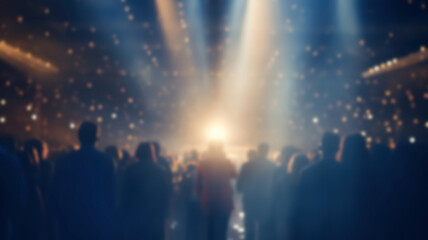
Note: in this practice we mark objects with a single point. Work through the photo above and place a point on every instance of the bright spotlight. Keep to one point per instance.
(216, 132)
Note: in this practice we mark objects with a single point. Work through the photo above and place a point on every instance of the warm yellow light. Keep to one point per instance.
(216, 132)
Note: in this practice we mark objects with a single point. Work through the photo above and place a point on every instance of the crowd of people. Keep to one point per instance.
(344, 189)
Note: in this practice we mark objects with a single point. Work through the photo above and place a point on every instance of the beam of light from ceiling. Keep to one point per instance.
(195, 25)
(25, 60)
(283, 81)
(244, 87)
(347, 18)
(174, 29)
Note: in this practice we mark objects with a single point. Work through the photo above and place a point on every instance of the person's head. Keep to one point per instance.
(263, 150)
(286, 153)
(354, 151)
(251, 155)
(146, 153)
(125, 156)
(88, 133)
(34, 144)
(33, 149)
(330, 145)
(297, 162)
(7, 141)
(215, 150)
(194, 155)
(191, 168)
(113, 152)
(158, 148)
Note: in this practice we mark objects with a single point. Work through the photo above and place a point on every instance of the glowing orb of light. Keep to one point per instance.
(216, 132)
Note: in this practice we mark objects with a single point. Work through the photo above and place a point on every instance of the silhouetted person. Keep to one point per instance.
(194, 216)
(13, 190)
(359, 190)
(255, 183)
(213, 188)
(382, 167)
(37, 173)
(286, 153)
(145, 196)
(318, 211)
(113, 152)
(165, 163)
(84, 190)
(126, 159)
(406, 203)
(286, 196)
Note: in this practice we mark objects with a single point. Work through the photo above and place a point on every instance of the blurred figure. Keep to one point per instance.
(319, 201)
(84, 190)
(280, 176)
(296, 165)
(382, 166)
(359, 190)
(286, 153)
(145, 196)
(126, 159)
(37, 173)
(165, 164)
(407, 198)
(194, 216)
(213, 188)
(286, 196)
(113, 152)
(13, 190)
(255, 183)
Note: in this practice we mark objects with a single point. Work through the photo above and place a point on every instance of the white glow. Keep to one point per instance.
(216, 132)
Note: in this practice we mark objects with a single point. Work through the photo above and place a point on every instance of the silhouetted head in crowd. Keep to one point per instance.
(263, 151)
(126, 157)
(158, 148)
(33, 149)
(88, 134)
(7, 141)
(146, 153)
(113, 152)
(286, 153)
(252, 155)
(354, 151)
(191, 169)
(194, 155)
(215, 150)
(297, 163)
(330, 145)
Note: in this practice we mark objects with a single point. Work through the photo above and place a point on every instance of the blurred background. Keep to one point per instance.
(243, 71)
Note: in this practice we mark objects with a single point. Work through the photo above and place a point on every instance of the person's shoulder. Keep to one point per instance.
(102, 156)
(312, 169)
(270, 164)
(68, 157)
(246, 165)
(8, 156)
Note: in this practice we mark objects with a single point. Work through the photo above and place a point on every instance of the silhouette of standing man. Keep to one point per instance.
(255, 183)
(319, 210)
(145, 196)
(213, 188)
(84, 188)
